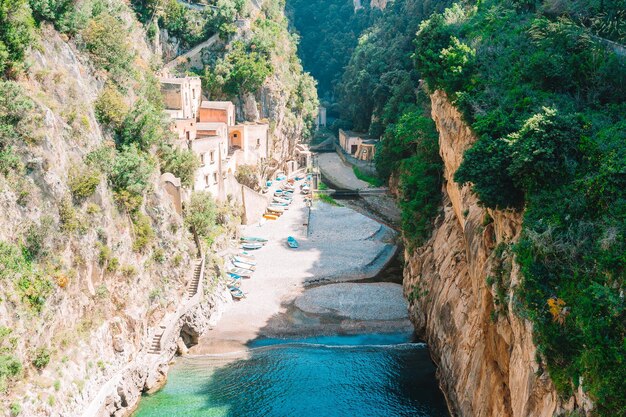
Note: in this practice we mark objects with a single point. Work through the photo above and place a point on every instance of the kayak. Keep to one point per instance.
(270, 216)
(292, 242)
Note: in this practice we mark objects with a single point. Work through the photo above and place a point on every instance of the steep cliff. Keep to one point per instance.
(85, 285)
(461, 291)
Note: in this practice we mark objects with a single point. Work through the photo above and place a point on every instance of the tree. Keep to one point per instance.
(130, 176)
(106, 40)
(183, 163)
(544, 150)
(144, 125)
(16, 34)
(200, 214)
(110, 107)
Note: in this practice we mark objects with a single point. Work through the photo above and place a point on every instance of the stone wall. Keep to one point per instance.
(485, 353)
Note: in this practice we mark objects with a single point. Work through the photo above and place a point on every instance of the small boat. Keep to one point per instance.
(298, 178)
(233, 276)
(274, 209)
(283, 199)
(253, 239)
(243, 260)
(280, 177)
(252, 246)
(287, 187)
(234, 283)
(268, 183)
(246, 255)
(243, 273)
(292, 242)
(243, 265)
(290, 181)
(269, 216)
(274, 204)
(236, 293)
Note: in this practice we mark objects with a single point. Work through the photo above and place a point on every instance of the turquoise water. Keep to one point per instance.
(366, 375)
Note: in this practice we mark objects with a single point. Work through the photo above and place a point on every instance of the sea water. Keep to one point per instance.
(364, 375)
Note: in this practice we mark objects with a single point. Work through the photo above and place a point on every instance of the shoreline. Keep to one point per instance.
(337, 245)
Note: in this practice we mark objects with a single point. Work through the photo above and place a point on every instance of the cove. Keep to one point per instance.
(355, 375)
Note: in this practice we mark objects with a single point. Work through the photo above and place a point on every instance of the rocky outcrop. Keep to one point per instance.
(461, 290)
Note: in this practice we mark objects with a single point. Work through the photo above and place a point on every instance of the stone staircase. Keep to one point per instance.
(166, 329)
(155, 346)
(195, 281)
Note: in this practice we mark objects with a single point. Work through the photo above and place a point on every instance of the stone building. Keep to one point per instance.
(210, 130)
(357, 145)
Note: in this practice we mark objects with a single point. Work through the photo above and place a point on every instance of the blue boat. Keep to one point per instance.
(233, 275)
(236, 293)
(292, 242)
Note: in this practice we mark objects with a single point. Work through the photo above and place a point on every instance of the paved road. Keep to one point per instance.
(338, 172)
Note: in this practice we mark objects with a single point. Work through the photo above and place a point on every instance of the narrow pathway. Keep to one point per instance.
(338, 172)
(192, 52)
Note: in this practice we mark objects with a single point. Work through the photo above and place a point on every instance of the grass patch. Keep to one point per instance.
(372, 180)
(327, 199)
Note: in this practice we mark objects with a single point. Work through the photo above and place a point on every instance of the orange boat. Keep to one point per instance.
(269, 216)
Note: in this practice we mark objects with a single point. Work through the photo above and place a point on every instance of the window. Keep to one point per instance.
(258, 143)
(215, 178)
(212, 157)
(206, 180)
(235, 135)
(202, 159)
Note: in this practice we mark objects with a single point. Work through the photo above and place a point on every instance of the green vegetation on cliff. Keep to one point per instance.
(329, 31)
(542, 84)
(545, 96)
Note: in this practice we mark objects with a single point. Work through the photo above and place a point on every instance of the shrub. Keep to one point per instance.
(10, 366)
(144, 235)
(15, 408)
(106, 40)
(102, 158)
(41, 358)
(110, 107)
(15, 108)
(83, 182)
(144, 126)
(486, 166)
(69, 218)
(130, 176)
(38, 238)
(248, 176)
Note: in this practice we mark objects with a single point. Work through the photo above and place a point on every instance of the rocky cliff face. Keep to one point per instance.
(461, 291)
(105, 299)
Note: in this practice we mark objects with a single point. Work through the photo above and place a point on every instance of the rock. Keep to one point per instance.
(118, 344)
(181, 347)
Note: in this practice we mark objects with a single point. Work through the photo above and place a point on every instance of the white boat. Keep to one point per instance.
(275, 209)
(243, 260)
(243, 266)
(244, 273)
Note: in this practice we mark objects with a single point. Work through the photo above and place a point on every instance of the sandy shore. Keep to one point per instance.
(337, 244)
